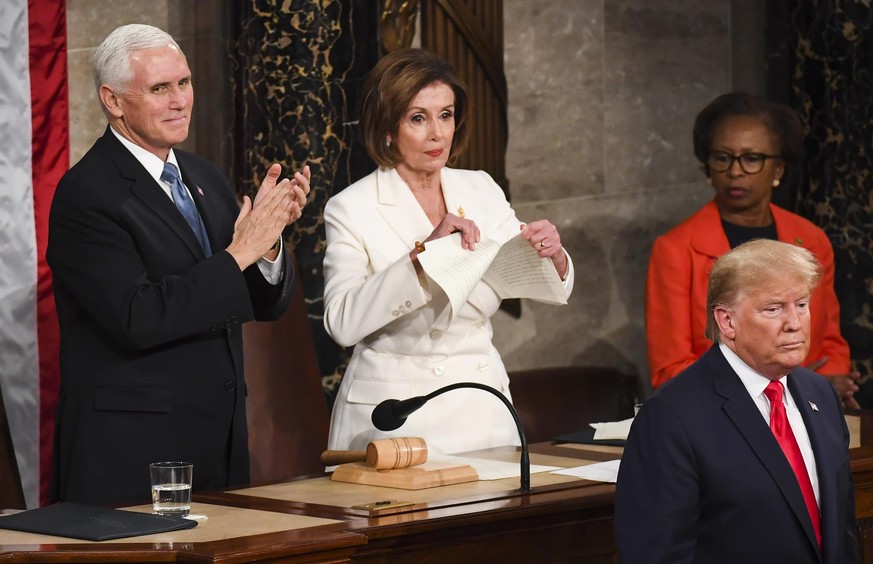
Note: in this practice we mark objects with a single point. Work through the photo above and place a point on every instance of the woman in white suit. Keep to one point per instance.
(378, 298)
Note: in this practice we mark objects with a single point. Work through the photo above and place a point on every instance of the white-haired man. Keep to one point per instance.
(155, 266)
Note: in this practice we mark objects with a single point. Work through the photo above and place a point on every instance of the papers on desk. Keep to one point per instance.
(598, 472)
(612, 430)
(492, 469)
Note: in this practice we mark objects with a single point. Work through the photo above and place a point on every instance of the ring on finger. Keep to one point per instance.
(543, 244)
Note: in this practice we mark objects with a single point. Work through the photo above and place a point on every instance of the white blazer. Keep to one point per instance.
(404, 343)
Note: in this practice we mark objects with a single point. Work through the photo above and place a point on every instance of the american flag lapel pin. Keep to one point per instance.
(813, 406)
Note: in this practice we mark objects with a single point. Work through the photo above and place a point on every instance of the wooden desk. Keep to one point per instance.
(311, 520)
(563, 518)
(230, 534)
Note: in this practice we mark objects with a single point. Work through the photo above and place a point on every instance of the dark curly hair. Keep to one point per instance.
(783, 123)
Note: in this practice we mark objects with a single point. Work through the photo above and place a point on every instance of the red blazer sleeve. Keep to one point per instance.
(833, 345)
(668, 310)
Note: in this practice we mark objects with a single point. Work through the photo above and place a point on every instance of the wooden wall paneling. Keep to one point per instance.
(287, 412)
(469, 35)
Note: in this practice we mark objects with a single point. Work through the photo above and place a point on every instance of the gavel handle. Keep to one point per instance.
(334, 457)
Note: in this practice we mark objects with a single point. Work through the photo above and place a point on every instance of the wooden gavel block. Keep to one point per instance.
(382, 454)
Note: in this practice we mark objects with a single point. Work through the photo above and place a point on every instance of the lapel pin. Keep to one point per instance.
(813, 406)
(200, 191)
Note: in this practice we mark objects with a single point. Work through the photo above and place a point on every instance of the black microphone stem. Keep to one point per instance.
(525, 455)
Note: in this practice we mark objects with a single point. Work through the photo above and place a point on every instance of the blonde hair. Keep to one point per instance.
(750, 266)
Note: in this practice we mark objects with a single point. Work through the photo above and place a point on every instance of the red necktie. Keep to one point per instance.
(785, 437)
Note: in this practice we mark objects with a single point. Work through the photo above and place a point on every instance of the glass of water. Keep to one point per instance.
(171, 487)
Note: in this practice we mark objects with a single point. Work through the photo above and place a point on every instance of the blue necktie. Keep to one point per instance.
(183, 201)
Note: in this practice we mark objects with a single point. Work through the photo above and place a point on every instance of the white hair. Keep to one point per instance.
(112, 57)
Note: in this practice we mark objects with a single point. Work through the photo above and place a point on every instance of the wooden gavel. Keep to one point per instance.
(382, 454)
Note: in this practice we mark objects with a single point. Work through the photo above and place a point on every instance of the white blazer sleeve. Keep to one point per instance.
(357, 300)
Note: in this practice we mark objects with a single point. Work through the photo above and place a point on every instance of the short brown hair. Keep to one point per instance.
(395, 80)
(751, 264)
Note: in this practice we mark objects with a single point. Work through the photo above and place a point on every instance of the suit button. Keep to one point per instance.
(408, 303)
(436, 334)
(439, 371)
(395, 313)
(229, 386)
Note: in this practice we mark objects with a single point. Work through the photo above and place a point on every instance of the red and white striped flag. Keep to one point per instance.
(34, 154)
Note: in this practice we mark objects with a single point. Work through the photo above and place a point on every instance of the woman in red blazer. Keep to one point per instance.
(747, 146)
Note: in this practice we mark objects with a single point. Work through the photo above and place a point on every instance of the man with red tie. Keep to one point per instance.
(743, 457)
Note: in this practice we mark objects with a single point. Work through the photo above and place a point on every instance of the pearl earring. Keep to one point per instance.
(776, 183)
(388, 143)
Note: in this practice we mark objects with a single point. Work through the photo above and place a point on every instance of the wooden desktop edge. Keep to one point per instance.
(358, 529)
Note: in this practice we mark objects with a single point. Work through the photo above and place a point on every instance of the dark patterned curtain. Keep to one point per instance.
(298, 67)
(830, 63)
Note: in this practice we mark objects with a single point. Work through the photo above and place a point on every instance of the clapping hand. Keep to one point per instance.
(277, 204)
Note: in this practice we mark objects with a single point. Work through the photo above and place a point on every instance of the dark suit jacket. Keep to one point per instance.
(151, 342)
(702, 479)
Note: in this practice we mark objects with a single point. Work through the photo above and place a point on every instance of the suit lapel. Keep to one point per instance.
(454, 194)
(146, 189)
(825, 450)
(399, 208)
(706, 240)
(787, 229)
(744, 414)
(200, 192)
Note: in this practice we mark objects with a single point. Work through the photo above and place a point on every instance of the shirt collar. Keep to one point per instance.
(153, 165)
(754, 382)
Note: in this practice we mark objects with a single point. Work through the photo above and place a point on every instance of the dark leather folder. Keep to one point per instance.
(88, 522)
(586, 437)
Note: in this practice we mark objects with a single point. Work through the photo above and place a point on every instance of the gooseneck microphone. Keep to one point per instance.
(392, 413)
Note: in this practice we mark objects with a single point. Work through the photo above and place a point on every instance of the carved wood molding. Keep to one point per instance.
(469, 35)
(490, 56)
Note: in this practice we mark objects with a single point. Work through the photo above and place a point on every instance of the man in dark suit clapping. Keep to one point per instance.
(743, 457)
(155, 267)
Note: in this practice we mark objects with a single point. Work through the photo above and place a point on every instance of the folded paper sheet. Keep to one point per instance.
(493, 469)
(598, 472)
(612, 430)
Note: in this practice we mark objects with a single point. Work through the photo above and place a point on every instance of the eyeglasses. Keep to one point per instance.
(751, 163)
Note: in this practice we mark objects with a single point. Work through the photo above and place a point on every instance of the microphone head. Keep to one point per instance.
(384, 417)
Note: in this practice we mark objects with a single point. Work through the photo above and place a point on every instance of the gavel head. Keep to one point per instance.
(399, 452)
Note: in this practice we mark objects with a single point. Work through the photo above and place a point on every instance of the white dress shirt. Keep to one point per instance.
(755, 384)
